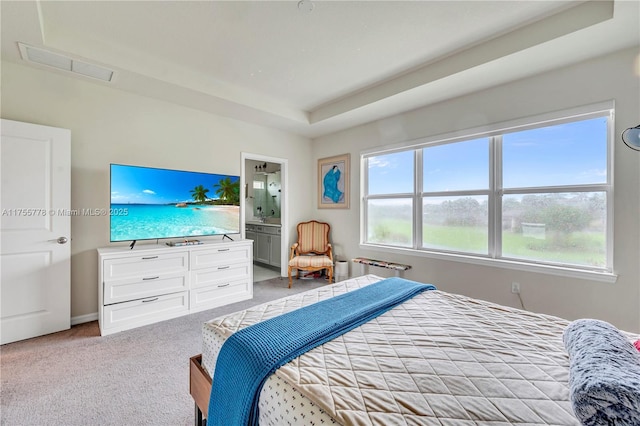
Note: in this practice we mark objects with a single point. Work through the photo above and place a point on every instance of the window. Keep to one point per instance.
(390, 203)
(455, 197)
(535, 193)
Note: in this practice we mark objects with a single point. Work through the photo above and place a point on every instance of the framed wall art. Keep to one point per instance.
(333, 182)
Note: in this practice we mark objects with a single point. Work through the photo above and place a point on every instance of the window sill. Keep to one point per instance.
(600, 276)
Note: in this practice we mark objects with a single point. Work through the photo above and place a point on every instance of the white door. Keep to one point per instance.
(35, 230)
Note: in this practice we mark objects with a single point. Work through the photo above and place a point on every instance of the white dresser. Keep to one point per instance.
(152, 283)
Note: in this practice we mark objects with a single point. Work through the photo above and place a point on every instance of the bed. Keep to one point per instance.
(436, 359)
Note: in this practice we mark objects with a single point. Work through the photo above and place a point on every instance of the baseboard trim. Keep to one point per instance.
(81, 319)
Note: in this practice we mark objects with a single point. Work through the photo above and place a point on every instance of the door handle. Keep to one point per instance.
(62, 240)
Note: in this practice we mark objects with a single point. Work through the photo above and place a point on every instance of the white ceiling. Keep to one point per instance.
(343, 64)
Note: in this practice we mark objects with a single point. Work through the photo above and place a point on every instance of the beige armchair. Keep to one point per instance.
(313, 251)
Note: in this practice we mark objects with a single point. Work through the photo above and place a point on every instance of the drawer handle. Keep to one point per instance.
(150, 278)
(223, 267)
(223, 285)
(150, 257)
(150, 300)
(223, 249)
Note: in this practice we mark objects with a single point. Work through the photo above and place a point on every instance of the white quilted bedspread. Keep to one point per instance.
(438, 359)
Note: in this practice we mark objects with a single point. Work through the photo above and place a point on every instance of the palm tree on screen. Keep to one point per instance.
(228, 191)
(199, 193)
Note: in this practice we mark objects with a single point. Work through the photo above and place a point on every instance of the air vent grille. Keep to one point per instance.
(62, 62)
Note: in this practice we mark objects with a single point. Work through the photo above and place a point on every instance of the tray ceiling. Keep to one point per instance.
(342, 64)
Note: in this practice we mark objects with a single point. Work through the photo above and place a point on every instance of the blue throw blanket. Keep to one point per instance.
(249, 356)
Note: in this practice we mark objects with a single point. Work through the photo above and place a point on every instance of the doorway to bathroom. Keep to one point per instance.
(265, 220)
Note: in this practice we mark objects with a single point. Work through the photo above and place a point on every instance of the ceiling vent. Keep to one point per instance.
(65, 63)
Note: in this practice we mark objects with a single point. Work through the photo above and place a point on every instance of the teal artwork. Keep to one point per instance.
(333, 182)
(330, 181)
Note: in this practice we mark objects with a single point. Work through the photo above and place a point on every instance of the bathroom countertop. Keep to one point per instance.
(258, 223)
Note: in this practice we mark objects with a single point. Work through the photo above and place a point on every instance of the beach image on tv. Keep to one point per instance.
(151, 203)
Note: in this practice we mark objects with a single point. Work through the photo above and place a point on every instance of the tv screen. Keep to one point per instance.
(152, 203)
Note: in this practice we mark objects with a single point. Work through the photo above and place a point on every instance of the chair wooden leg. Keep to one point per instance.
(289, 276)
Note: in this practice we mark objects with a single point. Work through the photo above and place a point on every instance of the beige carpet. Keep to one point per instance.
(136, 377)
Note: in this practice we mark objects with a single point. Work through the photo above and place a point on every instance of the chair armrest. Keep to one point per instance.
(292, 254)
(330, 251)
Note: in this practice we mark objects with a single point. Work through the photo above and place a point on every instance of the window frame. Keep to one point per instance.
(495, 194)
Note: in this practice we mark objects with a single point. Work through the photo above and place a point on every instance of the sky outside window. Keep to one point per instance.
(391, 173)
(565, 154)
(456, 166)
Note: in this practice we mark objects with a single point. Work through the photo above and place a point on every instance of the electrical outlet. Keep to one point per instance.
(515, 287)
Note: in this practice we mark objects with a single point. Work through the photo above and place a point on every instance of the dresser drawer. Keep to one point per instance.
(122, 316)
(220, 256)
(138, 288)
(145, 265)
(220, 275)
(220, 294)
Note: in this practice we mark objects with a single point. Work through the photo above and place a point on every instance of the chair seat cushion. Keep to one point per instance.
(311, 262)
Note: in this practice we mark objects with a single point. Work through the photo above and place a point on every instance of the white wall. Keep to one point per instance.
(112, 126)
(612, 77)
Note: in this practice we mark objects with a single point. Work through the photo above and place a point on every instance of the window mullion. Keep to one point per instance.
(495, 198)
(610, 188)
(556, 189)
(364, 190)
(470, 192)
(417, 200)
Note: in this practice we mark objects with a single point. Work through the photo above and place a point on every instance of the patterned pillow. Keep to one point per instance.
(604, 374)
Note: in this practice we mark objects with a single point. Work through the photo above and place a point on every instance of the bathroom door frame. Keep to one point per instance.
(284, 202)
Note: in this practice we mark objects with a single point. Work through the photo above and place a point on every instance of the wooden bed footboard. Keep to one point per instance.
(199, 388)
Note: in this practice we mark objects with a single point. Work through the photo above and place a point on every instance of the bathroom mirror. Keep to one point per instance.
(265, 189)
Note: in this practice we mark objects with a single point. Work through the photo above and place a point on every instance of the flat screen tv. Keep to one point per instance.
(152, 203)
